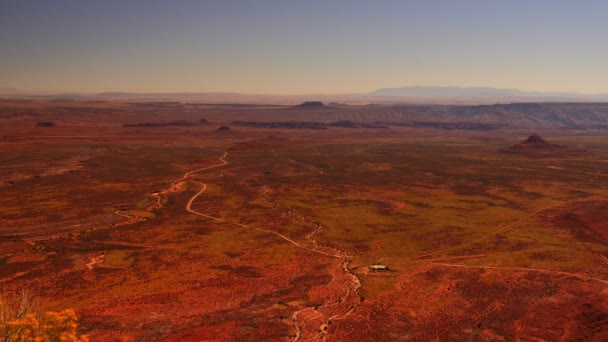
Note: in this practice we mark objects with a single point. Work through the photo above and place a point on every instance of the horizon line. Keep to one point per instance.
(7, 90)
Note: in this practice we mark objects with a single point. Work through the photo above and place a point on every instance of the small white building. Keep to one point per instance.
(378, 268)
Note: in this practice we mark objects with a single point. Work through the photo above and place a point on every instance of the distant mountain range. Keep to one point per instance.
(444, 108)
(503, 94)
(402, 95)
(8, 90)
(533, 116)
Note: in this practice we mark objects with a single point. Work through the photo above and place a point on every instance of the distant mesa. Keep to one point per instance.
(158, 104)
(312, 104)
(161, 124)
(223, 129)
(471, 126)
(308, 124)
(45, 124)
(535, 141)
(535, 145)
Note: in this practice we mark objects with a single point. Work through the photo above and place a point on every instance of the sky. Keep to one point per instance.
(302, 47)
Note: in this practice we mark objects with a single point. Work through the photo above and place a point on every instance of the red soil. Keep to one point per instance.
(587, 221)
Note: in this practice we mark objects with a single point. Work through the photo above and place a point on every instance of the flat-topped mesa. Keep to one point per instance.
(312, 104)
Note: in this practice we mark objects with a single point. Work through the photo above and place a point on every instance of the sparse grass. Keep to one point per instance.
(118, 259)
(386, 197)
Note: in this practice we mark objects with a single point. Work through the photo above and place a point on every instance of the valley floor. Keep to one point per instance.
(188, 233)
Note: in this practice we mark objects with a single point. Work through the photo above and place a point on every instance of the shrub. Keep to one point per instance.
(22, 320)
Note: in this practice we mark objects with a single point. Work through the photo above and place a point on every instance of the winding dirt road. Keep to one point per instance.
(204, 187)
(308, 329)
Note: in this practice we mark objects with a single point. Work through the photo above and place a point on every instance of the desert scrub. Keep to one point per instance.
(22, 320)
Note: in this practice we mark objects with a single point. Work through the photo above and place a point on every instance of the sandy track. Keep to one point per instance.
(436, 261)
(204, 187)
(306, 328)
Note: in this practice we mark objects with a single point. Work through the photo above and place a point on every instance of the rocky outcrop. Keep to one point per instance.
(536, 146)
(535, 142)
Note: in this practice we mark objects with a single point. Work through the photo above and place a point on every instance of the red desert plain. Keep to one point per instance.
(198, 222)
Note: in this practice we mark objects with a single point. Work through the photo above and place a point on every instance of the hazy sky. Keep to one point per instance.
(296, 47)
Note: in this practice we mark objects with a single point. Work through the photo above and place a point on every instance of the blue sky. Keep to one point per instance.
(302, 47)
